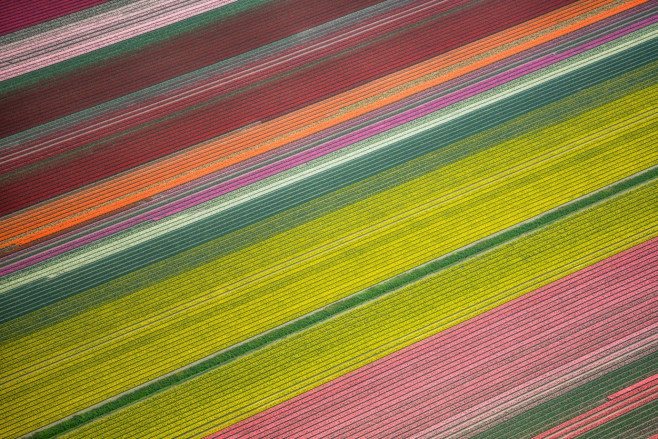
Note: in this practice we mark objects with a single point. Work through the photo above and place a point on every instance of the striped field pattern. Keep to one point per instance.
(345, 219)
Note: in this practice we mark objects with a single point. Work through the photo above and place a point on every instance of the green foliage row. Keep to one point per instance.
(132, 44)
(573, 403)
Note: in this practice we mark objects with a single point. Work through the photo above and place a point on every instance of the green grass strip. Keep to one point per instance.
(637, 423)
(573, 403)
(344, 305)
(131, 44)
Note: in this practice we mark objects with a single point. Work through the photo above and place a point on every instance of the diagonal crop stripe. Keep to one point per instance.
(299, 218)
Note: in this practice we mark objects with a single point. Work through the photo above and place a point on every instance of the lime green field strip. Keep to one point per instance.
(291, 366)
(604, 157)
(560, 111)
(139, 234)
(531, 178)
(290, 245)
(590, 98)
